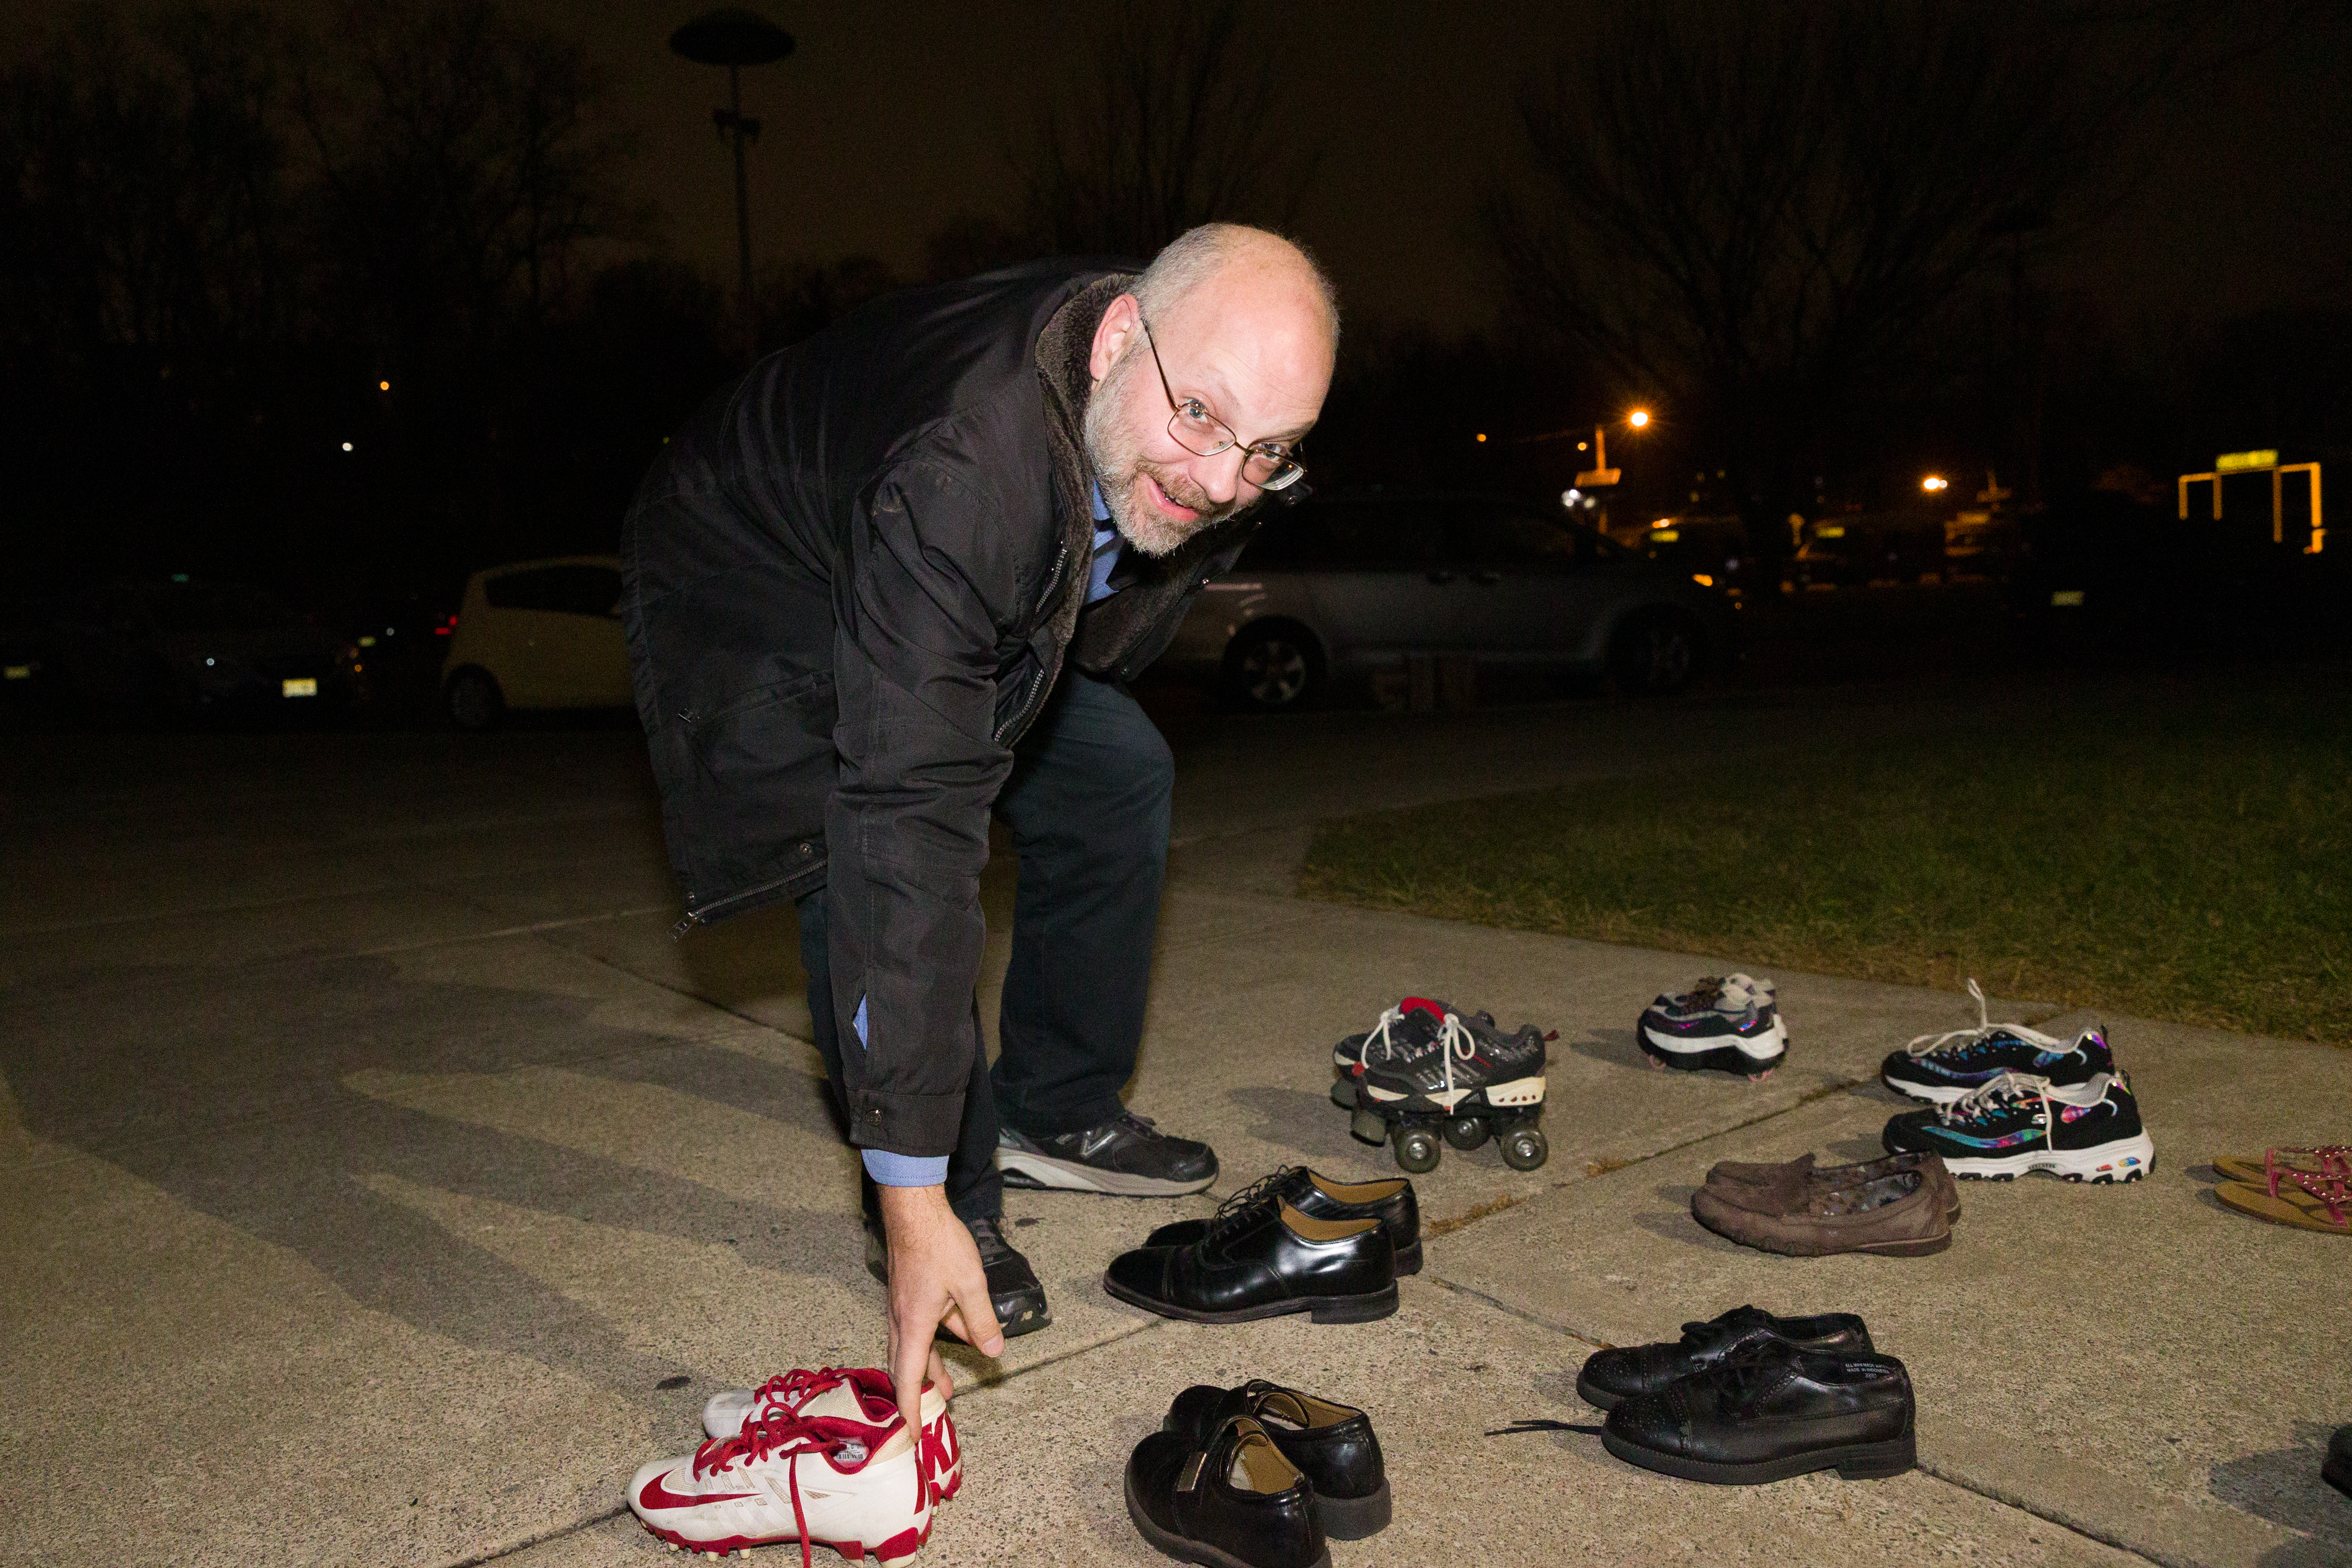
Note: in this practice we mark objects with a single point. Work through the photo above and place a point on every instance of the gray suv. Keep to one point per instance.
(1349, 584)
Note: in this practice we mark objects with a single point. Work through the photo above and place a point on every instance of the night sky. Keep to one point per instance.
(890, 119)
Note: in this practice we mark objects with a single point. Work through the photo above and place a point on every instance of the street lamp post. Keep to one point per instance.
(735, 38)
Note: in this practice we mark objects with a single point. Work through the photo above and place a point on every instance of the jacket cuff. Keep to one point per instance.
(904, 1170)
(924, 1125)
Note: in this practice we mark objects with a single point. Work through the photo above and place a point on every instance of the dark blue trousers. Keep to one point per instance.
(1087, 805)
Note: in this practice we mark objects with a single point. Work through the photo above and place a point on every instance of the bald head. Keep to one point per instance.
(1246, 326)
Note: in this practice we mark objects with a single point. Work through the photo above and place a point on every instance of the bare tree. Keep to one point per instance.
(1173, 118)
(1760, 212)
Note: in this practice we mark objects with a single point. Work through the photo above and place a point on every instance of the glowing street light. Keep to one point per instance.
(383, 386)
(1638, 418)
(1935, 483)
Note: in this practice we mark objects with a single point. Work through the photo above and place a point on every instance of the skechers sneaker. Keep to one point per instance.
(1411, 1023)
(2018, 1123)
(1459, 1067)
(1942, 1067)
(825, 1481)
(854, 1394)
(1732, 1023)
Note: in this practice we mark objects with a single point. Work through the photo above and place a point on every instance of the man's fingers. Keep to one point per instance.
(939, 1378)
(911, 1355)
(980, 1329)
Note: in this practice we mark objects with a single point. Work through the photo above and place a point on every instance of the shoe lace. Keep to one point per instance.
(1928, 1045)
(788, 1390)
(1378, 1036)
(1243, 1204)
(793, 1437)
(1991, 1096)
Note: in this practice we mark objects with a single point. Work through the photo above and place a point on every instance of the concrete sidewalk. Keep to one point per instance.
(376, 1159)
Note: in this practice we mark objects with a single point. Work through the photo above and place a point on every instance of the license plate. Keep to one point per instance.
(300, 686)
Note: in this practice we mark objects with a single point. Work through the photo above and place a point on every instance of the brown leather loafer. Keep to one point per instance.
(1899, 1214)
(1784, 1189)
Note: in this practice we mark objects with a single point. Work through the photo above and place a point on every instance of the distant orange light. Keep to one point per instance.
(1639, 417)
(1935, 483)
(1482, 435)
(383, 386)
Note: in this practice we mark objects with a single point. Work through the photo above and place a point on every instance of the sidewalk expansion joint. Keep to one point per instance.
(541, 1538)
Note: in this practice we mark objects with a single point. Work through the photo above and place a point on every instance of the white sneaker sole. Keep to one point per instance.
(2125, 1160)
(1069, 1176)
(1766, 1047)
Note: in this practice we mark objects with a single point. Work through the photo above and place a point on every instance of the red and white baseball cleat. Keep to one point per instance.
(823, 1480)
(856, 1393)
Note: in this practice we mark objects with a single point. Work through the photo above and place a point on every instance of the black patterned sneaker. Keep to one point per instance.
(1126, 1155)
(1942, 1067)
(1731, 1024)
(1463, 1065)
(2018, 1123)
(1621, 1371)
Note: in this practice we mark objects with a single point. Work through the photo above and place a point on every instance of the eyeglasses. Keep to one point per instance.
(1267, 464)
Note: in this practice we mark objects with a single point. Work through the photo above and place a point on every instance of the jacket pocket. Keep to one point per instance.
(762, 769)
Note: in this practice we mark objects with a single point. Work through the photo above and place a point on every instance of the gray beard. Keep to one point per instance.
(1119, 466)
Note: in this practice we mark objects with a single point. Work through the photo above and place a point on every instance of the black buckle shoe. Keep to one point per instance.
(1126, 1155)
(1012, 1287)
(1611, 1375)
(1319, 1197)
(1332, 1444)
(1232, 1502)
(1263, 1263)
(1781, 1412)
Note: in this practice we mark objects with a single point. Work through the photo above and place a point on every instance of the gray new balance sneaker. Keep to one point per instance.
(1126, 1155)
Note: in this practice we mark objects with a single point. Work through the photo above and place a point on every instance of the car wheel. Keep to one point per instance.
(474, 700)
(1272, 667)
(1655, 655)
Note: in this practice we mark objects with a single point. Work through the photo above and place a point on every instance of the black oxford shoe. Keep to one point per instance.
(1611, 1376)
(1231, 1502)
(1390, 1201)
(1332, 1444)
(1264, 1263)
(1781, 1412)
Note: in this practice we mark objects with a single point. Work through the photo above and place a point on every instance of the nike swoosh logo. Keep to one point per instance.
(656, 1495)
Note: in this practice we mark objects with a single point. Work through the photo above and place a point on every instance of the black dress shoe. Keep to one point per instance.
(1012, 1287)
(1126, 1155)
(1266, 1263)
(1611, 1376)
(1332, 1444)
(1231, 1502)
(2337, 1469)
(1781, 1412)
(1390, 1202)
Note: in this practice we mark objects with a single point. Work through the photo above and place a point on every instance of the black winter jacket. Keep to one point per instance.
(851, 580)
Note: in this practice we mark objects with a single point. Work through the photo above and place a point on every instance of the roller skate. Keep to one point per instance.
(1732, 1023)
(1425, 1072)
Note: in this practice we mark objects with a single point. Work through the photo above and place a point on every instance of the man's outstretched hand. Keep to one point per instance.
(935, 1277)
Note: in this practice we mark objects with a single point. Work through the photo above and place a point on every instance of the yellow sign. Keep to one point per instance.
(299, 686)
(2241, 462)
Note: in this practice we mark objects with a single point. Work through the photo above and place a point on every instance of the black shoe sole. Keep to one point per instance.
(1184, 1548)
(1853, 1462)
(2338, 1476)
(1365, 1309)
(1353, 1518)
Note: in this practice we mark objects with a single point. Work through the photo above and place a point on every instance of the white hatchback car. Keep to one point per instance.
(538, 635)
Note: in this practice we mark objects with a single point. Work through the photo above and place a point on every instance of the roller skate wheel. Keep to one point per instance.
(1368, 1126)
(1343, 1093)
(1525, 1148)
(1466, 1133)
(1417, 1149)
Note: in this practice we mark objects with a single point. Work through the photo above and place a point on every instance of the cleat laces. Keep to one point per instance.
(790, 1438)
(1960, 1039)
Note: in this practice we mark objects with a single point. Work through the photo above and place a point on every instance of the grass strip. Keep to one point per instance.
(2183, 853)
